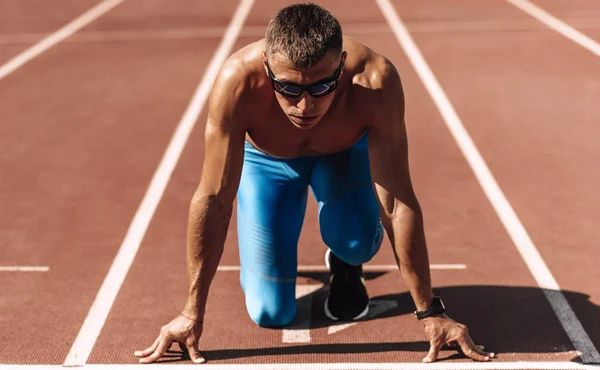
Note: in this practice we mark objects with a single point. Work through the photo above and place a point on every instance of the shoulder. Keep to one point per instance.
(237, 81)
(372, 71)
(376, 82)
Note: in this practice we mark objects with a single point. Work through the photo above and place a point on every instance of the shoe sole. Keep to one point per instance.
(334, 318)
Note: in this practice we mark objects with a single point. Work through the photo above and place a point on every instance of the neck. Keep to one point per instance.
(340, 94)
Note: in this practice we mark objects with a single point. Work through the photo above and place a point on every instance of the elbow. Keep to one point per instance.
(216, 203)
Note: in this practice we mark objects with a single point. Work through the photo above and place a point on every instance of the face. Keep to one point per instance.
(305, 111)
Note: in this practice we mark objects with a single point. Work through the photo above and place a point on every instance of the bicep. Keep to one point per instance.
(223, 160)
(224, 138)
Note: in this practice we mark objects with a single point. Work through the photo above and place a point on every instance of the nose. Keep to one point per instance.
(306, 102)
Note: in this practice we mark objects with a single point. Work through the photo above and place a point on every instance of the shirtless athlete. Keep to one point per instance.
(306, 107)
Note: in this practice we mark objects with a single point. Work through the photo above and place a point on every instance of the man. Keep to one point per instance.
(306, 107)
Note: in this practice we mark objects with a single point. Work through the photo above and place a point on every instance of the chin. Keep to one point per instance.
(304, 125)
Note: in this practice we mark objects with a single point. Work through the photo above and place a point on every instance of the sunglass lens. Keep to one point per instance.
(288, 89)
(321, 89)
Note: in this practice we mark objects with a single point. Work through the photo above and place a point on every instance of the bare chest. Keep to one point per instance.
(281, 139)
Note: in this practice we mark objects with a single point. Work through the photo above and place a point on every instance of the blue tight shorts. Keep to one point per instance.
(271, 204)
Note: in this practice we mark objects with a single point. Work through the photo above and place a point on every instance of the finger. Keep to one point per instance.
(480, 349)
(195, 355)
(432, 355)
(163, 345)
(471, 351)
(148, 350)
(454, 345)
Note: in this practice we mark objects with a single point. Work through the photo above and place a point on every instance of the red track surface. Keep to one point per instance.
(84, 126)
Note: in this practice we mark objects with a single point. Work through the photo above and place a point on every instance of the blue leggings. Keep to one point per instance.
(271, 204)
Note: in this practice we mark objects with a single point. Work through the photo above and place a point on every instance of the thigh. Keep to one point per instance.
(348, 208)
(336, 174)
(271, 205)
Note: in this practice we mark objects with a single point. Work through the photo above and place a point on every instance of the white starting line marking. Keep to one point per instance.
(327, 366)
(517, 232)
(299, 330)
(366, 268)
(24, 268)
(378, 307)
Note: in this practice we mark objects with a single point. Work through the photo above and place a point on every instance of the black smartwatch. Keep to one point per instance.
(436, 308)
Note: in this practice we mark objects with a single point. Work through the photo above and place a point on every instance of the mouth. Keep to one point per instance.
(303, 120)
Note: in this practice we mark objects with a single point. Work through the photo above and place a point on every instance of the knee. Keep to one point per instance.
(269, 304)
(271, 316)
(355, 247)
(353, 256)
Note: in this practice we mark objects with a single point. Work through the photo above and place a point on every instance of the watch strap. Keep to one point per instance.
(435, 308)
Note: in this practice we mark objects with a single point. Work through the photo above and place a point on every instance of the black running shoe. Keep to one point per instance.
(348, 299)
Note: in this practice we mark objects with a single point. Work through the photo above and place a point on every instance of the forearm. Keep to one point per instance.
(207, 229)
(407, 237)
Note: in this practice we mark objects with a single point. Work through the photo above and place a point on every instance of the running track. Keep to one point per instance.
(85, 123)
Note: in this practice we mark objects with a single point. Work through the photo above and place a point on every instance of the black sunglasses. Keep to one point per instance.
(293, 90)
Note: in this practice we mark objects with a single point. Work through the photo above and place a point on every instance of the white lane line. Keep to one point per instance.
(57, 36)
(328, 366)
(24, 268)
(369, 268)
(557, 25)
(299, 330)
(509, 218)
(88, 334)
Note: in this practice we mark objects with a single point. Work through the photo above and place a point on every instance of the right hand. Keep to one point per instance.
(181, 329)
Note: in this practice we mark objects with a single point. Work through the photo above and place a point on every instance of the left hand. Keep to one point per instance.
(442, 330)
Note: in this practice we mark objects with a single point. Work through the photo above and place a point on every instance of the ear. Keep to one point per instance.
(264, 60)
(343, 61)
